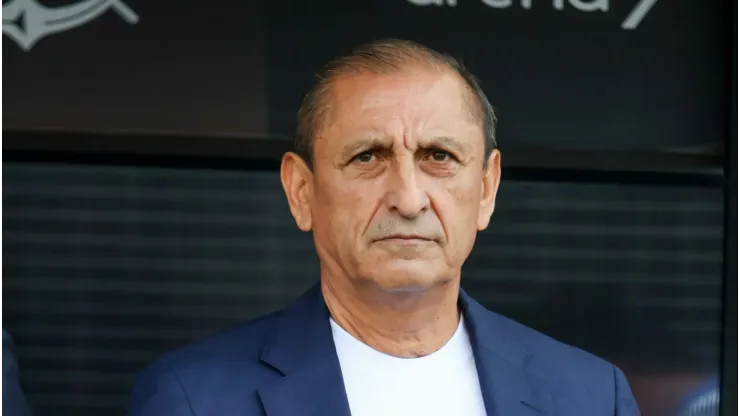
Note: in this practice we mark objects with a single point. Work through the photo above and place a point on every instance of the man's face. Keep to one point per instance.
(399, 189)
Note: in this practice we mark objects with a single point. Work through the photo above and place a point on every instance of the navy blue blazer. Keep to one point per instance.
(285, 364)
(14, 401)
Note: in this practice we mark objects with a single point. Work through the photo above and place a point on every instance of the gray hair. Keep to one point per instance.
(385, 57)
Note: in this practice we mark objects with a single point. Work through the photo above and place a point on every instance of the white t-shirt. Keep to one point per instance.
(442, 383)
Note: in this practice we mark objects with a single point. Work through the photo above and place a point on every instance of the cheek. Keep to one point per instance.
(345, 210)
(458, 211)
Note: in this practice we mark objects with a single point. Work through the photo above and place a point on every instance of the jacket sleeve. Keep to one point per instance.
(158, 391)
(625, 404)
(14, 401)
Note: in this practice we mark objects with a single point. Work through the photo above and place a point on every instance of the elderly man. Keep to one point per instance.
(396, 171)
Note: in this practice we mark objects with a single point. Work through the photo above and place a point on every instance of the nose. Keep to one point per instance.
(404, 195)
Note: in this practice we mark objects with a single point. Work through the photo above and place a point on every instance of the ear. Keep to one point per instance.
(491, 180)
(297, 182)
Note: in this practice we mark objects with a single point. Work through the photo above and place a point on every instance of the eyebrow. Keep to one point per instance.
(366, 143)
(444, 142)
(369, 143)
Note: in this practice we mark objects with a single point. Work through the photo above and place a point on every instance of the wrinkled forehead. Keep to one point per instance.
(408, 105)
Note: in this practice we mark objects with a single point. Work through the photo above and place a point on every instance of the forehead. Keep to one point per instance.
(410, 105)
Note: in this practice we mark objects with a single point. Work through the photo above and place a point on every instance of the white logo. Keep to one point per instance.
(27, 21)
(638, 13)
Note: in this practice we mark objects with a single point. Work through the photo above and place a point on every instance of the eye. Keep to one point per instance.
(440, 155)
(365, 157)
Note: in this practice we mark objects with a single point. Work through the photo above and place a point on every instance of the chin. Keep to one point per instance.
(406, 276)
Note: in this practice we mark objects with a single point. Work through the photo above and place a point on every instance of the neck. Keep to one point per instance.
(398, 324)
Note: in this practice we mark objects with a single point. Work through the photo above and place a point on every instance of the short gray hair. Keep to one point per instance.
(384, 57)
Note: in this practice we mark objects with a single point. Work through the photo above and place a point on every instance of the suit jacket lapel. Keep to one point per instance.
(502, 363)
(302, 349)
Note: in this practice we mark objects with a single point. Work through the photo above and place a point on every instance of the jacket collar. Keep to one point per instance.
(502, 361)
(302, 350)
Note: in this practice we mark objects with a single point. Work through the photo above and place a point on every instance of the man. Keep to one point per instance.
(396, 171)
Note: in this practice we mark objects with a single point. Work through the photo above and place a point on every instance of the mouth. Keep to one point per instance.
(406, 238)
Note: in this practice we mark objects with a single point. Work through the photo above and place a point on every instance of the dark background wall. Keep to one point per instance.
(560, 77)
(142, 208)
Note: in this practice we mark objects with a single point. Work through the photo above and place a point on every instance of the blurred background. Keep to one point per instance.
(142, 208)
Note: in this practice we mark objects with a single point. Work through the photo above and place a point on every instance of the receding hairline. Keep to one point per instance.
(386, 58)
(328, 92)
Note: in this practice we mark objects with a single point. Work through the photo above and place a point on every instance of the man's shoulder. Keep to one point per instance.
(223, 365)
(548, 348)
(580, 380)
(230, 354)
(553, 361)
(238, 345)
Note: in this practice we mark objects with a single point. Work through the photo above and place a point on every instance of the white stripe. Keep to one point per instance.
(638, 13)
